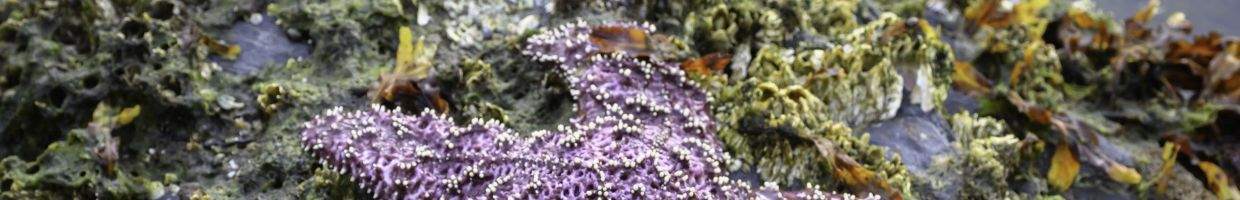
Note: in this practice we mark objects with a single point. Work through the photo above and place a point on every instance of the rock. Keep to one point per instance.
(915, 135)
(263, 43)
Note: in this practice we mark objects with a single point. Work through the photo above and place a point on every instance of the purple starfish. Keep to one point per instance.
(642, 131)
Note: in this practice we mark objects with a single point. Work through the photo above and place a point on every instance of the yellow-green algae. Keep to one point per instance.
(989, 151)
(823, 90)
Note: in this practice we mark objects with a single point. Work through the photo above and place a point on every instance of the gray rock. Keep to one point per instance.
(262, 44)
(915, 135)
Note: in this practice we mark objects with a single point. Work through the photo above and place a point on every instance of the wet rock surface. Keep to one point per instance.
(917, 136)
(1207, 14)
(263, 43)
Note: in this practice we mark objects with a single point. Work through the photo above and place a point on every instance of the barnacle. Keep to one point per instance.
(773, 126)
(774, 107)
(724, 26)
(859, 89)
(1037, 79)
(988, 152)
(826, 17)
(779, 130)
(912, 48)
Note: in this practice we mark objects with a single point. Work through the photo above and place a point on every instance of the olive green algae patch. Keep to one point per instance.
(68, 169)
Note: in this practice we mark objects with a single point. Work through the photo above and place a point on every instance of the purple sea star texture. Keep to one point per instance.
(642, 131)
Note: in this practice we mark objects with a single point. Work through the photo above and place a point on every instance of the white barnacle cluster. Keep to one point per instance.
(398, 122)
(645, 96)
(572, 136)
(649, 103)
(603, 189)
(313, 141)
(648, 89)
(474, 171)
(407, 164)
(494, 185)
(632, 162)
(424, 152)
(404, 183)
(813, 191)
(506, 137)
(570, 43)
(629, 124)
(664, 174)
(557, 44)
(452, 183)
(340, 139)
